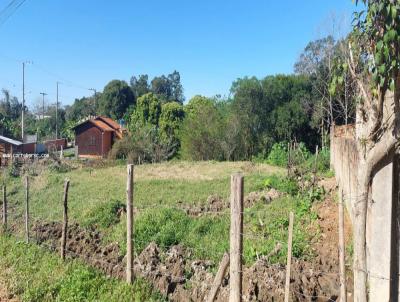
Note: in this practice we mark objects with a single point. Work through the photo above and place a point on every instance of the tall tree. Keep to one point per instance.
(140, 85)
(148, 110)
(81, 108)
(115, 99)
(169, 88)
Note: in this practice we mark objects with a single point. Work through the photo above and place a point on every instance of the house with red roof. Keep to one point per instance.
(95, 136)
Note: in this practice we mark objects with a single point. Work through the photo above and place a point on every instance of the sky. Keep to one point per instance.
(84, 44)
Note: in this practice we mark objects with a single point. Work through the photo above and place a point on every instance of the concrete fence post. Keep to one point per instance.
(236, 239)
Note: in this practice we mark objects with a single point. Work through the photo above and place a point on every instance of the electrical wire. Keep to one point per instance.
(9, 10)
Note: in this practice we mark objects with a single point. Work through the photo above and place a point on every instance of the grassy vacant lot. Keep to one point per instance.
(96, 194)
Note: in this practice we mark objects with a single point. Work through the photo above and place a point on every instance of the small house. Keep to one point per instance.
(8, 147)
(95, 137)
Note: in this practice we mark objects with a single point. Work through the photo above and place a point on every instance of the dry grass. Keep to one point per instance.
(207, 170)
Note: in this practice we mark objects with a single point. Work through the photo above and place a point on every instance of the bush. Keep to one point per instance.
(282, 184)
(144, 144)
(323, 161)
(278, 155)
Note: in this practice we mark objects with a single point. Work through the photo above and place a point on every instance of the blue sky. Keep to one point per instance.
(86, 43)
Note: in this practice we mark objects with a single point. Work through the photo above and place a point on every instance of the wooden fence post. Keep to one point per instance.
(129, 225)
(342, 268)
(65, 220)
(236, 239)
(219, 277)
(5, 208)
(289, 257)
(27, 208)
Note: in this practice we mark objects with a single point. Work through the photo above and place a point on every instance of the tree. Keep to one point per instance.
(317, 61)
(248, 104)
(115, 99)
(169, 88)
(375, 43)
(148, 109)
(201, 131)
(172, 115)
(140, 86)
(81, 108)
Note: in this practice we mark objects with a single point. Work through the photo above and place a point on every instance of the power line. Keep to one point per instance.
(10, 9)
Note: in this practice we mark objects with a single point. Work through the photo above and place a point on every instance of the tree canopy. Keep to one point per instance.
(117, 96)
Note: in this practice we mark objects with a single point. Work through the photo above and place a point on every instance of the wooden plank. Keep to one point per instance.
(218, 278)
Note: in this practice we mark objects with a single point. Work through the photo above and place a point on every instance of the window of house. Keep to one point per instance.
(92, 141)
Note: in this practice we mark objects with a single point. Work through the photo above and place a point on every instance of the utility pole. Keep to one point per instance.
(95, 100)
(23, 101)
(57, 113)
(43, 94)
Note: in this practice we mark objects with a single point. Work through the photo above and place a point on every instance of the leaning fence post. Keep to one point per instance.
(219, 277)
(236, 238)
(5, 208)
(65, 220)
(129, 225)
(342, 269)
(27, 208)
(289, 257)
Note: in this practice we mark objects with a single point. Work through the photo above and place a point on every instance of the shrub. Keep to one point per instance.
(323, 161)
(282, 184)
(278, 155)
(144, 144)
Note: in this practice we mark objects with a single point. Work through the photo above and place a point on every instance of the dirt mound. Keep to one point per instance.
(261, 196)
(216, 204)
(179, 278)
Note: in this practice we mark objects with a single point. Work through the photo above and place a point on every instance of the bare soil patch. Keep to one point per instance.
(5, 296)
(181, 278)
(216, 204)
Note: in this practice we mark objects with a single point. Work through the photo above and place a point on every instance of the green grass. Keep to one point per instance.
(37, 275)
(96, 195)
(155, 185)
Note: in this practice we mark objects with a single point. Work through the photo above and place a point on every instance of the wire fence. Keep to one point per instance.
(116, 266)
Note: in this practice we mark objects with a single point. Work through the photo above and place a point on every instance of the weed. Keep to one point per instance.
(282, 184)
(106, 214)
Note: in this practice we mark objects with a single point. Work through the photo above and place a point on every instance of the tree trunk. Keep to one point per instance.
(359, 231)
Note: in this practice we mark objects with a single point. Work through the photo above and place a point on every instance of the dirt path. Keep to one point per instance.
(327, 247)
